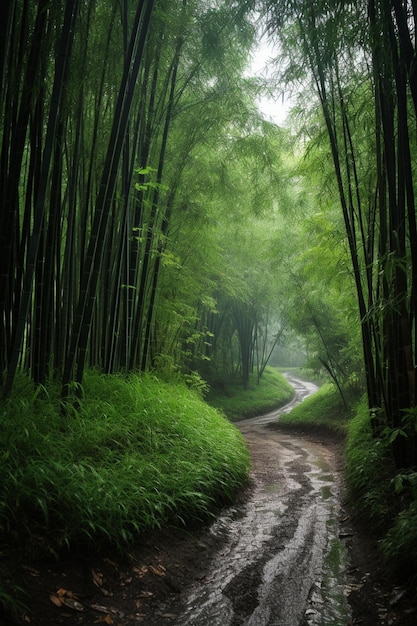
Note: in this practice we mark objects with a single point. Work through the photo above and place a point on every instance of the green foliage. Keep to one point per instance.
(320, 300)
(369, 468)
(385, 498)
(352, 57)
(322, 410)
(399, 545)
(272, 392)
(223, 250)
(11, 604)
(137, 454)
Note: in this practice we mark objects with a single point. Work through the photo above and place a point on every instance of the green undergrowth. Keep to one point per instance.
(139, 453)
(324, 410)
(369, 469)
(385, 499)
(237, 403)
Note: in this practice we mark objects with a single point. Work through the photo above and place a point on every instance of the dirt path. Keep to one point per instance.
(283, 562)
(285, 555)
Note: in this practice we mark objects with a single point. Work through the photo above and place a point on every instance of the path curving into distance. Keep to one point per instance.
(282, 562)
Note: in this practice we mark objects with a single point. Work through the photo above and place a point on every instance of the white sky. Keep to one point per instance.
(273, 109)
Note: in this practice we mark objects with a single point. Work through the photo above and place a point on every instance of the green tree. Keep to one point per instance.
(361, 73)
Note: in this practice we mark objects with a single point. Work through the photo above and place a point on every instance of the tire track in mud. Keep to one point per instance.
(282, 562)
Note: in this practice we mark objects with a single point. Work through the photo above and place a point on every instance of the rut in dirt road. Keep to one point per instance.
(283, 563)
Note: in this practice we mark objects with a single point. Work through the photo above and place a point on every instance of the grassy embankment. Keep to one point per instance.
(138, 454)
(385, 497)
(323, 411)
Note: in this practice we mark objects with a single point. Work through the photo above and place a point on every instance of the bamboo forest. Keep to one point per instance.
(170, 248)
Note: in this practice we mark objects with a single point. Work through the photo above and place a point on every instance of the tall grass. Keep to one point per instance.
(137, 454)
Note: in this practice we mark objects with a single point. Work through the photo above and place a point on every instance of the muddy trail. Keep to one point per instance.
(287, 554)
(283, 561)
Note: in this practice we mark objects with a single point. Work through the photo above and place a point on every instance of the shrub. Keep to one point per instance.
(369, 469)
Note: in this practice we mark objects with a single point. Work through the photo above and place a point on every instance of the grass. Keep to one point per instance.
(237, 403)
(323, 410)
(138, 454)
(386, 499)
(369, 469)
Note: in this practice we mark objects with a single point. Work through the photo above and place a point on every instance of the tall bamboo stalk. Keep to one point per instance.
(93, 261)
(61, 66)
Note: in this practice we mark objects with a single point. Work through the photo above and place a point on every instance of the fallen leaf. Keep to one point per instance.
(159, 570)
(57, 601)
(398, 595)
(140, 571)
(348, 590)
(97, 578)
(104, 620)
(146, 594)
(100, 608)
(73, 604)
(105, 592)
(61, 592)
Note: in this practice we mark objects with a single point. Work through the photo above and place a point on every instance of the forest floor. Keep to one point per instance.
(218, 574)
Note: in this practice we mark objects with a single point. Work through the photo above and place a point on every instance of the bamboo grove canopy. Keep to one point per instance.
(109, 109)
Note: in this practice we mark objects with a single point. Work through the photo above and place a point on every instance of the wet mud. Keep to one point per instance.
(282, 562)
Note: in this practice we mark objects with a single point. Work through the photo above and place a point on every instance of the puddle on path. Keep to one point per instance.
(282, 563)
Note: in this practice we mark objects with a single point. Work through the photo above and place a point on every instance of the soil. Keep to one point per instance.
(150, 585)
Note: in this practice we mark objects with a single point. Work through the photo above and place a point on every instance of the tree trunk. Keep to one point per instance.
(61, 66)
(93, 261)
